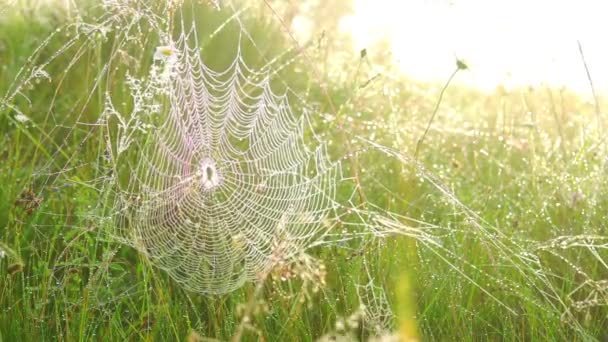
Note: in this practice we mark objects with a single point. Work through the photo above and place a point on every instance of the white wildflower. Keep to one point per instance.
(166, 53)
(340, 325)
(21, 118)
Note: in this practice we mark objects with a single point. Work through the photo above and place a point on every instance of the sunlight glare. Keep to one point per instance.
(512, 43)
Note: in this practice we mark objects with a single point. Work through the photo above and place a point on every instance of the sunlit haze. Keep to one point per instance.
(504, 42)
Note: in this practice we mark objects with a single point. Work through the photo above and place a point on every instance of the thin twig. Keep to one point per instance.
(428, 126)
(597, 104)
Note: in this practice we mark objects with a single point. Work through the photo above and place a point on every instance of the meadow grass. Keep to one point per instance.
(529, 163)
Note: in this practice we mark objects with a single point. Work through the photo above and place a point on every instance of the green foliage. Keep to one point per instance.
(526, 161)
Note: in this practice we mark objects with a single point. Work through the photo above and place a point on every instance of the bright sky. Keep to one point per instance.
(511, 42)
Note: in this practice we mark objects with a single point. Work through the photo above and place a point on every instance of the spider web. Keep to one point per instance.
(214, 175)
(223, 177)
(378, 315)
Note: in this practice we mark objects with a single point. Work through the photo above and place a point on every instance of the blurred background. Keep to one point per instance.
(512, 44)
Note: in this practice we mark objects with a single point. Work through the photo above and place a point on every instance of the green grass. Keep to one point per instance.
(527, 167)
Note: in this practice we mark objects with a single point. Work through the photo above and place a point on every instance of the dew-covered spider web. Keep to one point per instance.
(223, 177)
(217, 170)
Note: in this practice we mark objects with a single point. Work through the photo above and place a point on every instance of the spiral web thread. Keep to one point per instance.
(214, 178)
(226, 176)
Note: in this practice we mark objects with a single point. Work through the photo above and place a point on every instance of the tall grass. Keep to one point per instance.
(529, 163)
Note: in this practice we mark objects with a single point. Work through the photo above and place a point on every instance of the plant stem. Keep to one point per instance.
(419, 143)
